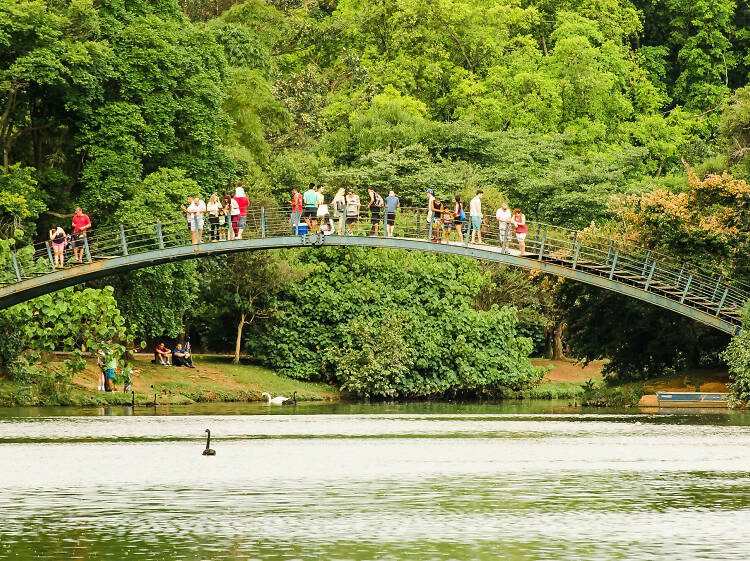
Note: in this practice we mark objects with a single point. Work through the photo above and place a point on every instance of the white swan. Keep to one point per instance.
(278, 400)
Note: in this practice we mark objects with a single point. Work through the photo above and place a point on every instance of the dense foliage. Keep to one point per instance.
(578, 111)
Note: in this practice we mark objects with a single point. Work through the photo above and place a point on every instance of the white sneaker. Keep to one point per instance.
(99, 388)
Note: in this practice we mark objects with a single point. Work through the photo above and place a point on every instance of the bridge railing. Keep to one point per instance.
(574, 249)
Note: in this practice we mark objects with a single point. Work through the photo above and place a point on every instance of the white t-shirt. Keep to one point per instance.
(213, 208)
(322, 210)
(503, 215)
(475, 206)
(196, 209)
(235, 208)
(430, 198)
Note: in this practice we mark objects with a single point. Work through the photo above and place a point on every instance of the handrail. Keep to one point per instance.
(614, 259)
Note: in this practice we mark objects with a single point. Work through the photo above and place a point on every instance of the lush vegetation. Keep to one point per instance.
(579, 111)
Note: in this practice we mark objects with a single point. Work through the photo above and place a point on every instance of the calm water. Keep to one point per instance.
(470, 482)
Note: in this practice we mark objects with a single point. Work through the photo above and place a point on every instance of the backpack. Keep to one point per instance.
(462, 216)
(378, 199)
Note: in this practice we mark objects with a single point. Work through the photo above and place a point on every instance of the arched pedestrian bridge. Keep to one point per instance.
(609, 264)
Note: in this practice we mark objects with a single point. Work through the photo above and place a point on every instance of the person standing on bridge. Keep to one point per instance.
(81, 225)
(297, 203)
(391, 204)
(214, 209)
(232, 212)
(375, 204)
(57, 240)
(504, 218)
(242, 203)
(195, 219)
(519, 220)
(430, 209)
(352, 211)
(475, 216)
(459, 217)
(339, 209)
(310, 198)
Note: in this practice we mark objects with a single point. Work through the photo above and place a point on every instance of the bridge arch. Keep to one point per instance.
(556, 251)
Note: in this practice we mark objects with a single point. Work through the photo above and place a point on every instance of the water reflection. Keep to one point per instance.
(422, 481)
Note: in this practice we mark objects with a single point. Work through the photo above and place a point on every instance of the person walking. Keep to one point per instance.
(504, 217)
(352, 211)
(475, 216)
(375, 204)
(297, 203)
(57, 241)
(519, 221)
(391, 204)
(310, 198)
(339, 209)
(459, 217)
(214, 208)
(242, 203)
(81, 225)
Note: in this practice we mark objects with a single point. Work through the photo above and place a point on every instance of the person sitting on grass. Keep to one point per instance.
(180, 357)
(161, 354)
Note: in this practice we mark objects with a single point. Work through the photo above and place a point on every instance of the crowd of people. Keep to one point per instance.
(227, 216)
(311, 214)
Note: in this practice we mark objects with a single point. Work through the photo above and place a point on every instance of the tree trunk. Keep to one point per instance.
(557, 352)
(548, 346)
(238, 343)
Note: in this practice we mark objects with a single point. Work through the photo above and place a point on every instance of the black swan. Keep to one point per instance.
(292, 401)
(208, 451)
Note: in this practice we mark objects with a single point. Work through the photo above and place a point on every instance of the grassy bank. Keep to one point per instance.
(213, 379)
(216, 379)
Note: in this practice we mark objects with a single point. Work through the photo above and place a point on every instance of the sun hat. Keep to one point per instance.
(430, 191)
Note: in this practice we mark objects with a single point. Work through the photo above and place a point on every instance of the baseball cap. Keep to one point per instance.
(78, 209)
(430, 191)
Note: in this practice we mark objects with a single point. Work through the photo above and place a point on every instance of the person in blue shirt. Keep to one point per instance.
(391, 204)
(180, 357)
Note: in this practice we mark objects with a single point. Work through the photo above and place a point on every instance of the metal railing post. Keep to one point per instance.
(536, 237)
(122, 240)
(429, 234)
(716, 290)
(614, 263)
(15, 265)
(541, 248)
(86, 247)
(575, 257)
(49, 254)
(687, 286)
(650, 275)
(609, 251)
(159, 235)
(575, 238)
(419, 223)
(679, 277)
(645, 264)
(723, 297)
(263, 222)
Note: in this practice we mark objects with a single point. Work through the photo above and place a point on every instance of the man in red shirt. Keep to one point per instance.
(81, 224)
(297, 202)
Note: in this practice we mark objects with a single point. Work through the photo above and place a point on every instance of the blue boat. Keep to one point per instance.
(692, 399)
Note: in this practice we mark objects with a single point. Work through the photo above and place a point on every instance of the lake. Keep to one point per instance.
(519, 480)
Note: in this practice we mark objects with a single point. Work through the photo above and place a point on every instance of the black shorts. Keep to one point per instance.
(374, 214)
(311, 212)
(351, 220)
(390, 218)
(76, 241)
